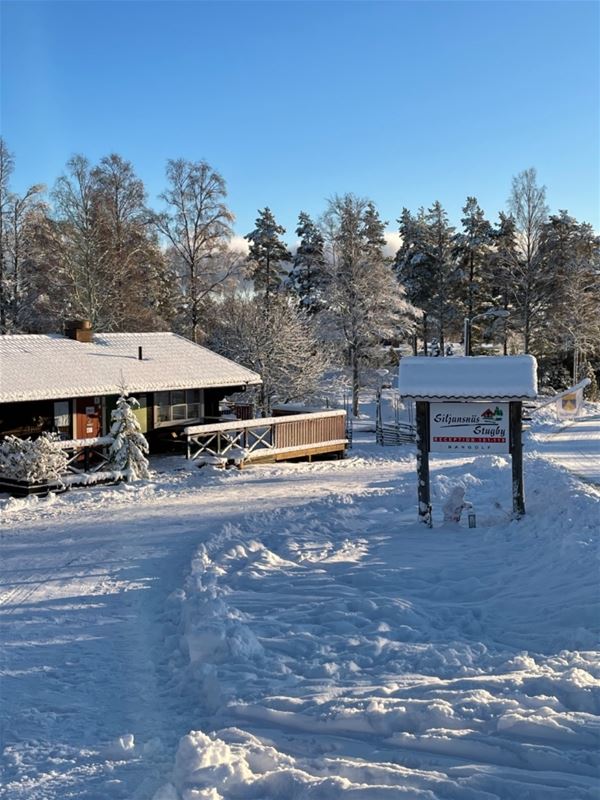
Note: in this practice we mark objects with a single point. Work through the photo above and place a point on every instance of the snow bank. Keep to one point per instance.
(339, 649)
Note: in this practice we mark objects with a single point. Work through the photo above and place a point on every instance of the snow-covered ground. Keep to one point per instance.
(575, 445)
(290, 631)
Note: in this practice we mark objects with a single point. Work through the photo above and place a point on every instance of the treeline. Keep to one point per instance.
(92, 248)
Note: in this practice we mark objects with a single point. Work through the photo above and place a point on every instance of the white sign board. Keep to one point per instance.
(569, 405)
(474, 427)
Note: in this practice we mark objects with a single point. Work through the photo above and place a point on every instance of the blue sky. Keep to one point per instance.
(403, 102)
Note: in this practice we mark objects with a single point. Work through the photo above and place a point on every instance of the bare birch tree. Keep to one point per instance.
(197, 228)
(81, 282)
(6, 168)
(25, 213)
(531, 281)
(281, 346)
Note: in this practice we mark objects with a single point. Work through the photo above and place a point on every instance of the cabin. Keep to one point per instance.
(70, 383)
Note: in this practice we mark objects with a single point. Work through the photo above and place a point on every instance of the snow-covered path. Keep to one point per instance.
(289, 631)
(84, 587)
(576, 447)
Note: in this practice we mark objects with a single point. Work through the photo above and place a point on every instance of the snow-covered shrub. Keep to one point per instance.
(455, 504)
(33, 460)
(128, 450)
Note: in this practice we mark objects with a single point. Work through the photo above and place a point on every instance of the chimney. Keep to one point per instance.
(79, 329)
(140, 358)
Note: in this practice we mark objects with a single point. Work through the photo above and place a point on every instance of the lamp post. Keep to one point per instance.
(491, 313)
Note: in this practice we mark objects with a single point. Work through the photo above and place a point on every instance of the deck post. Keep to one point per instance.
(422, 419)
(516, 452)
(188, 448)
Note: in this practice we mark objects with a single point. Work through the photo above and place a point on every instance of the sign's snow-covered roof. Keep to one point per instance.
(468, 378)
(44, 367)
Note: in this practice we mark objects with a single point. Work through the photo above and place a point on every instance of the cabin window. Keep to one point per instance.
(194, 403)
(62, 417)
(180, 405)
(163, 407)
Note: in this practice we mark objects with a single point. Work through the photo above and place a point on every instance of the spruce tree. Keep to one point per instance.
(373, 232)
(365, 301)
(267, 254)
(413, 266)
(129, 448)
(307, 276)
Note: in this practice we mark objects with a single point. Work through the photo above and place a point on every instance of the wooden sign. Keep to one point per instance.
(438, 422)
(469, 427)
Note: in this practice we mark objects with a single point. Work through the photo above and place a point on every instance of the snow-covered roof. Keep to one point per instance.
(43, 367)
(468, 378)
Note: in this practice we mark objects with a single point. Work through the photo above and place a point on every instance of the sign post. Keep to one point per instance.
(422, 420)
(516, 452)
(472, 406)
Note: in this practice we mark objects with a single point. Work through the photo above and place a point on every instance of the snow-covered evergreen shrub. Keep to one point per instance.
(33, 460)
(127, 452)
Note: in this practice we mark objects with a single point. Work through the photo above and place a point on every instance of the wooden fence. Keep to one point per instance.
(395, 433)
(270, 438)
(87, 455)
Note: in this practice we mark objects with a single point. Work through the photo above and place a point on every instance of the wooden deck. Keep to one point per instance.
(270, 438)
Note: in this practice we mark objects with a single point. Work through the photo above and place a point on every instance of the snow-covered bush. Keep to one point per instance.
(455, 504)
(33, 460)
(128, 450)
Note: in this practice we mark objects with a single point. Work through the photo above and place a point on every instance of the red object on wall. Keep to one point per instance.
(88, 418)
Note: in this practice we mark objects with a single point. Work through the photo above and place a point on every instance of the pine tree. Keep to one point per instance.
(267, 254)
(472, 246)
(366, 303)
(129, 448)
(307, 276)
(500, 262)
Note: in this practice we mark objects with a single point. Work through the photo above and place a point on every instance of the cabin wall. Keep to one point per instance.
(88, 417)
(26, 419)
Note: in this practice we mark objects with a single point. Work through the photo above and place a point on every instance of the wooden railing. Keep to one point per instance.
(86, 455)
(277, 437)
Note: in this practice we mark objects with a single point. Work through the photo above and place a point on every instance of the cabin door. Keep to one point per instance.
(88, 417)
